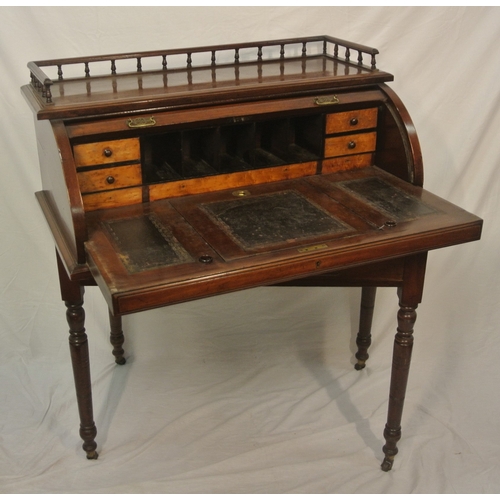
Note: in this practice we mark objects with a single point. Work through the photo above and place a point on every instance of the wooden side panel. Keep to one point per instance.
(61, 191)
(398, 147)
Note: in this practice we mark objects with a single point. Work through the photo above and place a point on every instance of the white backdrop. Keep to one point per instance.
(255, 392)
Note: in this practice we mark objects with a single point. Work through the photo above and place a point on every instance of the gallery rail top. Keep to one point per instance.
(80, 86)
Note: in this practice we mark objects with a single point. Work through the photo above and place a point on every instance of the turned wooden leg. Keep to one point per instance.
(403, 344)
(410, 295)
(72, 294)
(116, 338)
(81, 369)
(364, 338)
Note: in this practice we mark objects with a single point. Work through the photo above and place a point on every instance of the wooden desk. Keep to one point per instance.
(202, 171)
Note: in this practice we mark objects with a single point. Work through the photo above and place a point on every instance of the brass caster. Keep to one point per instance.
(360, 365)
(92, 455)
(120, 361)
(387, 464)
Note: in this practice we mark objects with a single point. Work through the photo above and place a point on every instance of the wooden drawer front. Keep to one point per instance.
(351, 120)
(109, 178)
(112, 199)
(344, 163)
(98, 153)
(350, 144)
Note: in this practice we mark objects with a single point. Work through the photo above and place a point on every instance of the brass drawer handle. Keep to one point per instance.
(141, 122)
(326, 100)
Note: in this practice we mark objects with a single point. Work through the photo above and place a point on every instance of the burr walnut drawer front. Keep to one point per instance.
(350, 144)
(110, 178)
(99, 153)
(347, 121)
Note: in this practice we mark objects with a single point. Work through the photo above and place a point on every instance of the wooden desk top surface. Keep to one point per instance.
(202, 245)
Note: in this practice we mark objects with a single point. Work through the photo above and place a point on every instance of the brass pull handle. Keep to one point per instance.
(326, 100)
(141, 122)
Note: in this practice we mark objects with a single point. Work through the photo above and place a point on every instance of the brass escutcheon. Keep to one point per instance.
(240, 193)
(141, 122)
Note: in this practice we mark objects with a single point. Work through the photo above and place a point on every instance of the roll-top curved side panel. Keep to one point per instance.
(60, 199)
(398, 147)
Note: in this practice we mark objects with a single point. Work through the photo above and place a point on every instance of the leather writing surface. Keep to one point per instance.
(144, 243)
(399, 205)
(272, 218)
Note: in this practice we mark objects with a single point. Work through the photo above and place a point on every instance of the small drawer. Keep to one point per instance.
(344, 163)
(350, 144)
(112, 199)
(109, 178)
(358, 119)
(99, 153)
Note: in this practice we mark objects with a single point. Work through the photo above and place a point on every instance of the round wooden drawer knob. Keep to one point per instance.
(110, 179)
(107, 152)
(351, 145)
(354, 121)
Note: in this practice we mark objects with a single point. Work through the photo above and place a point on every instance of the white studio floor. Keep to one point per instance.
(255, 392)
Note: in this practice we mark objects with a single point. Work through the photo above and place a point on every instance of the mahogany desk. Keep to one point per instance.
(174, 175)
